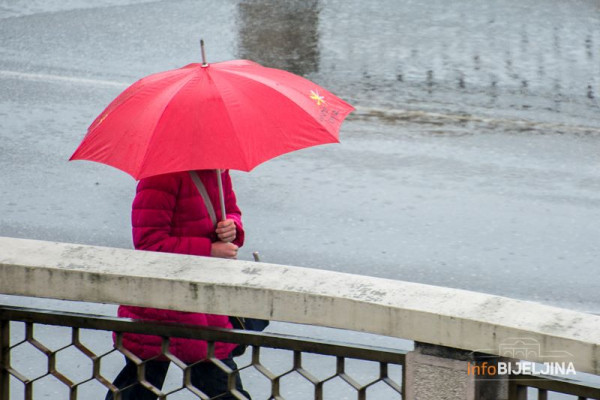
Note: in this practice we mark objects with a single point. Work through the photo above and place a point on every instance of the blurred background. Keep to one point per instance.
(470, 162)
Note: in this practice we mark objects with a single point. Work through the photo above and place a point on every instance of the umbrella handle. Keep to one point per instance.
(221, 196)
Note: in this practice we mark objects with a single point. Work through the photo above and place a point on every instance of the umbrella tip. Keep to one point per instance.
(204, 64)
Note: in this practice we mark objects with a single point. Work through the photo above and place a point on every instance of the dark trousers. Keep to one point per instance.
(206, 376)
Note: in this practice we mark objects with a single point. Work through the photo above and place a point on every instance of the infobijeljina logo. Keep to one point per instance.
(519, 349)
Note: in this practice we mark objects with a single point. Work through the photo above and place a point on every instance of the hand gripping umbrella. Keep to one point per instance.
(227, 115)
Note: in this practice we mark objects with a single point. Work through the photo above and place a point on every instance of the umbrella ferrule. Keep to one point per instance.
(204, 63)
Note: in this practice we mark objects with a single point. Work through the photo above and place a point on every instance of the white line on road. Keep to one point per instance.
(60, 78)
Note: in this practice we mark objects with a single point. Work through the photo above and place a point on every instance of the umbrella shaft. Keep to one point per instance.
(221, 197)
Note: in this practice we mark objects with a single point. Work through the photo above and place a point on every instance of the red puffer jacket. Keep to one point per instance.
(169, 215)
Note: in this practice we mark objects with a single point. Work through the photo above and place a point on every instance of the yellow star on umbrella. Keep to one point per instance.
(317, 97)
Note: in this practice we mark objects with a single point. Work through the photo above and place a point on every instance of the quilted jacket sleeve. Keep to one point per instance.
(152, 215)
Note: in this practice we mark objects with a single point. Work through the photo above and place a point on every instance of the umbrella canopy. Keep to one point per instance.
(228, 115)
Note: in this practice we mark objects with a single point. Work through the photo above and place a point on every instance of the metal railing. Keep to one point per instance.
(519, 385)
(387, 384)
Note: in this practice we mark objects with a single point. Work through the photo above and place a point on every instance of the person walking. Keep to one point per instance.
(169, 214)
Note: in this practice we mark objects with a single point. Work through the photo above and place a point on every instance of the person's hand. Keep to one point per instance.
(223, 250)
(226, 230)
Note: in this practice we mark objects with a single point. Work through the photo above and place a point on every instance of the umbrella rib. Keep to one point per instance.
(162, 113)
(244, 158)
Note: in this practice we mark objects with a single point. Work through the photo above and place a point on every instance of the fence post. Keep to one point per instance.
(4, 359)
(434, 372)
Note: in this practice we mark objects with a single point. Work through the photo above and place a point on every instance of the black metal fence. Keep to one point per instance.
(30, 368)
(60, 355)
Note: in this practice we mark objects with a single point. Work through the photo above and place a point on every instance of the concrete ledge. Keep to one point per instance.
(428, 314)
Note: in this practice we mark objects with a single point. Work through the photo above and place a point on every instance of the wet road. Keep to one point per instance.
(471, 162)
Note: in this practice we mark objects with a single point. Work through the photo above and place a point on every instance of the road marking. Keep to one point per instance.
(61, 78)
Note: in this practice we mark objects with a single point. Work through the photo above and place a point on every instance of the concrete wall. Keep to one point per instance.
(428, 314)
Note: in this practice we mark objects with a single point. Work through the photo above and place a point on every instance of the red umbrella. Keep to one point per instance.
(227, 115)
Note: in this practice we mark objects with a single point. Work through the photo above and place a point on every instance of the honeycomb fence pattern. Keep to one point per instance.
(60, 355)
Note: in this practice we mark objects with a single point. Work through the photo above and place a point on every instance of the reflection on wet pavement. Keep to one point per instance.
(280, 34)
(512, 58)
